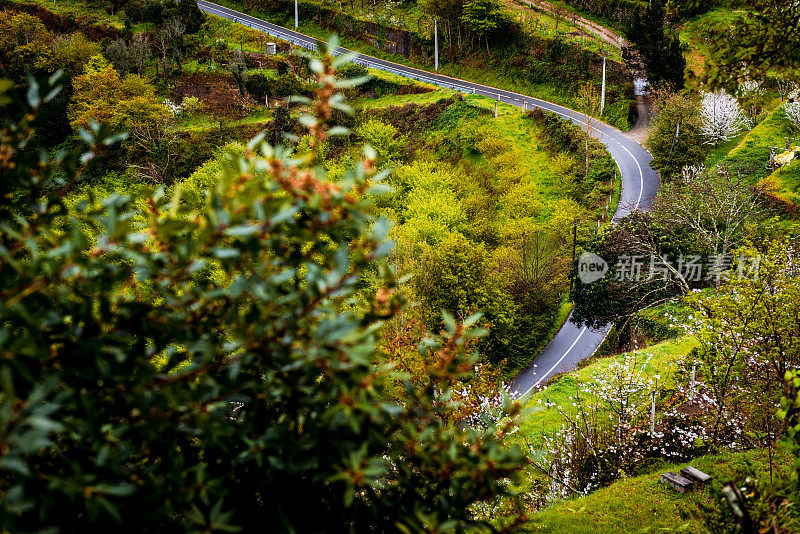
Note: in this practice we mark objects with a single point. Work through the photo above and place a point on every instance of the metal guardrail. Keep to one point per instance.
(288, 36)
(361, 61)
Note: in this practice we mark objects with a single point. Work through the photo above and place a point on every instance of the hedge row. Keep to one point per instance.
(620, 11)
(89, 26)
(392, 40)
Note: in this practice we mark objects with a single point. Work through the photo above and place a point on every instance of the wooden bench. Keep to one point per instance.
(695, 475)
(676, 481)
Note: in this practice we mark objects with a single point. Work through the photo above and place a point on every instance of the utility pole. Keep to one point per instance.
(574, 245)
(653, 417)
(436, 44)
(296, 15)
(603, 91)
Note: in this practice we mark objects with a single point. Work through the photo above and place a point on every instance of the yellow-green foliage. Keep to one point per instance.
(235, 34)
(27, 45)
(101, 94)
(73, 51)
(520, 201)
(384, 138)
(20, 29)
(206, 177)
(427, 206)
(89, 196)
(460, 276)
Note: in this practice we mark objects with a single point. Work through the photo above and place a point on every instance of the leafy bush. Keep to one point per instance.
(458, 276)
(675, 139)
(384, 138)
(260, 85)
(288, 85)
(196, 368)
(192, 104)
(353, 70)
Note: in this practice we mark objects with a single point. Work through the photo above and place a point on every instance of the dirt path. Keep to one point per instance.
(642, 127)
(592, 28)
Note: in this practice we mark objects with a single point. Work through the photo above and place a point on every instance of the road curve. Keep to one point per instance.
(640, 182)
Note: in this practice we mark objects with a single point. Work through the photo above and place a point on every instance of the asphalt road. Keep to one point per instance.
(640, 183)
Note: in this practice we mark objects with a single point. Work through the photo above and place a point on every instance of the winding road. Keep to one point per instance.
(640, 182)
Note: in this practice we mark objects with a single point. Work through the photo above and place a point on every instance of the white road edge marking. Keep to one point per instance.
(557, 363)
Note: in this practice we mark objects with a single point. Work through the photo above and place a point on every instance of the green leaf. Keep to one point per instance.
(244, 230)
(33, 93)
(449, 322)
(380, 189)
(225, 253)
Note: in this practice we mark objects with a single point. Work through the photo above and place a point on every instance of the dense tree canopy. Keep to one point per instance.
(486, 18)
(100, 94)
(764, 38)
(660, 47)
(676, 139)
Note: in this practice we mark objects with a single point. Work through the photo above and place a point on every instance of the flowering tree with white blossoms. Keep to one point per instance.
(747, 332)
(722, 117)
(606, 430)
(792, 108)
(752, 98)
(483, 401)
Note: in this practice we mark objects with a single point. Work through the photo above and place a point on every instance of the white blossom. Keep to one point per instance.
(175, 109)
(749, 87)
(722, 117)
(792, 108)
(690, 172)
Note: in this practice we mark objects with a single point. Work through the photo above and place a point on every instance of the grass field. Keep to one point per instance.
(78, 8)
(752, 152)
(659, 360)
(203, 122)
(642, 505)
(785, 182)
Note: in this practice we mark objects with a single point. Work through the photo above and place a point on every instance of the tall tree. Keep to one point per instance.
(190, 15)
(485, 18)
(459, 276)
(589, 105)
(659, 46)
(676, 139)
(722, 117)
